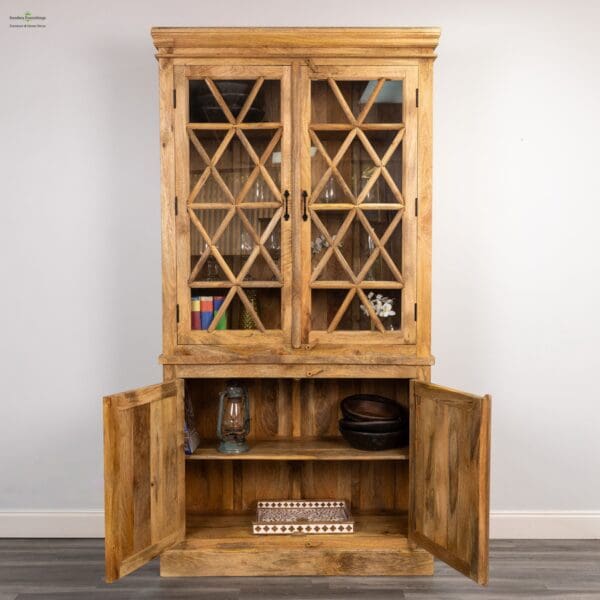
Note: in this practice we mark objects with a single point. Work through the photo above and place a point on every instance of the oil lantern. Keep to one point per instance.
(234, 419)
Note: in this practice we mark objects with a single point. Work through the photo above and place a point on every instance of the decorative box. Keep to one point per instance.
(277, 517)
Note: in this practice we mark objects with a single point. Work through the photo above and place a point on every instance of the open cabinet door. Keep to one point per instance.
(144, 473)
(449, 476)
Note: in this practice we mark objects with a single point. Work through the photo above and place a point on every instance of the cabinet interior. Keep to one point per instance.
(290, 418)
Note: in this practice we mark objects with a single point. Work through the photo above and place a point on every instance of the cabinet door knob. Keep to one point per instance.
(286, 197)
(304, 202)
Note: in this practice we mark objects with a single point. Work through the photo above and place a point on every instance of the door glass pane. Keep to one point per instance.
(234, 203)
(356, 131)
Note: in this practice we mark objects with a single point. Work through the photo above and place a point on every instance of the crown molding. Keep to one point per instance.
(295, 42)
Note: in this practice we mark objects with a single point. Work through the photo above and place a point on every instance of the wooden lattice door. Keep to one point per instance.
(232, 140)
(358, 202)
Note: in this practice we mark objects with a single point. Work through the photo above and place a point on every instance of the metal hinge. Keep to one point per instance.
(176, 207)
(417, 97)
(174, 98)
(177, 312)
(416, 207)
(415, 311)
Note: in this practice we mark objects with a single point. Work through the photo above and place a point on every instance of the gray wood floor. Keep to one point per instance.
(73, 569)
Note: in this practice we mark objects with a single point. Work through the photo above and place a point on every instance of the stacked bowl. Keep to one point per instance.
(205, 108)
(372, 422)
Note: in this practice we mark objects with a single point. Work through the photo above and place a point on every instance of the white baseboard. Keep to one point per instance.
(52, 524)
(503, 524)
(545, 525)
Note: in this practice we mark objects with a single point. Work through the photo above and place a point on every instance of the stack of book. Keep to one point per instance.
(204, 309)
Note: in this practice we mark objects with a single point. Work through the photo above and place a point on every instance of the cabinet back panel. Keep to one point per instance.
(234, 486)
(288, 408)
(284, 408)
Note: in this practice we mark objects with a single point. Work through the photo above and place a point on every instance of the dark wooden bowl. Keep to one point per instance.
(373, 426)
(375, 441)
(370, 407)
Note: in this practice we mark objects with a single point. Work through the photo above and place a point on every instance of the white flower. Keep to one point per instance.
(382, 305)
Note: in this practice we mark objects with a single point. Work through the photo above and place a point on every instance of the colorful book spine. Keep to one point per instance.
(217, 302)
(196, 312)
(206, 311)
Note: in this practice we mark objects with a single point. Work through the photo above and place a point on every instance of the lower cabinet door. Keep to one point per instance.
(449, 476)
(144, 475)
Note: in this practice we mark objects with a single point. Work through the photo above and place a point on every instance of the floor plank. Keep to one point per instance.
(519, 570)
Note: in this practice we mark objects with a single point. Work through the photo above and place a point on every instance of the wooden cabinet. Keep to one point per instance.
(296, 252)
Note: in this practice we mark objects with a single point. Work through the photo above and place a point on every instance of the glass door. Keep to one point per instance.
(359, 189)
(232, 135)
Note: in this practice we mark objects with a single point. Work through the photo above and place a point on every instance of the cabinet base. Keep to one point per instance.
(225, 547)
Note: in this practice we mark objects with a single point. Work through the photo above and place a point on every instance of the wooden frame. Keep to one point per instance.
(405, 500)
(408, 47)
(144, 474)
(186, 218)
(450, 466)
(406, 217)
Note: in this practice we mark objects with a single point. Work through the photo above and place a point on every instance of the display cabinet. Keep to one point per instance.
(296, 255)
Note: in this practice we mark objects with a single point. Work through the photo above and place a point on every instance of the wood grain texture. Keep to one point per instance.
(424, 195)
(296, 449)
(167, 200)
(144, 475)
(225, 546)
(301, 449)
(297, 41)
(449, 474)
(292, 371)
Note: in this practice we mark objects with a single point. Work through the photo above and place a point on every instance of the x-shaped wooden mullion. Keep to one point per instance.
(381, 166)
(333, 166)
(346, 303)
(249, 100)
(224, 306)
(250, 309)
(211, 165)
(220, 101)
(333, 245)
(380, 246)
(340, 98)
(259, 245)
(259, 163)
(346, 108)
(211, 245)
(341, 310)
(367, 304)
(367, 107)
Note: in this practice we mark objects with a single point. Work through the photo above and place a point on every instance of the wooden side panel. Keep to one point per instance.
(449, 476)
(144, 473)
(425, 165)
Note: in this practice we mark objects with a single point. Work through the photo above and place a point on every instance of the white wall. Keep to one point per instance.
(516, 258)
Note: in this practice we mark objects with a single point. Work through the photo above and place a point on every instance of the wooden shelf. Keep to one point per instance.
(226, 546)
(298, 449)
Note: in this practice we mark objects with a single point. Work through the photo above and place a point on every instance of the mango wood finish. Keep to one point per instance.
(315, 337)
(301, 42)
(226, 547)
(296, 449)
(143, 474)
(449, 471)
(301, 449)
(305, 55)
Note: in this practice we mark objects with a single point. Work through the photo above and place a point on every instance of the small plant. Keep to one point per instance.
(318, 244)
(382, 305)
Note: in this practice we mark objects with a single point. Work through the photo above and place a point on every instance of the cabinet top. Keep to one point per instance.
(393, 42)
